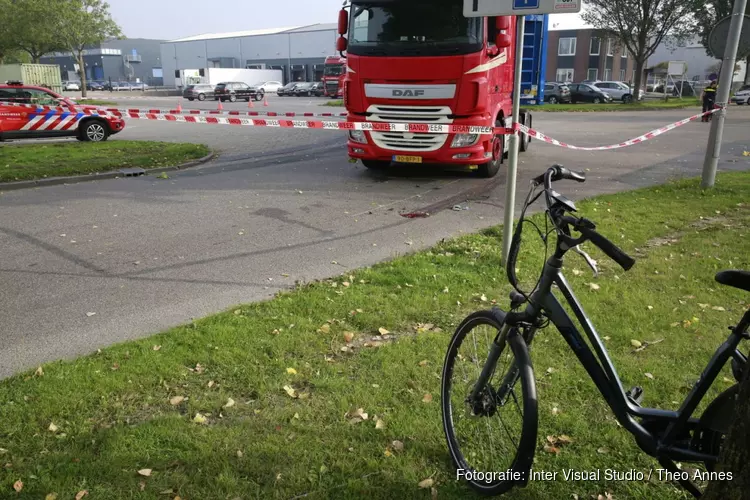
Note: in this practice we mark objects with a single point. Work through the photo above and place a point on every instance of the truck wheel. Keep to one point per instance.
(376, 164)
(491, 168)
(201, 97)
(525, 139)
(93, 131)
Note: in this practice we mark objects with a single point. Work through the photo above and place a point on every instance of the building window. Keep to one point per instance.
(622, 75)
(624, 54)
(564, 74)
(592, 74)
(610, 46)
(607, 74)
(594, 49)
(566, 47)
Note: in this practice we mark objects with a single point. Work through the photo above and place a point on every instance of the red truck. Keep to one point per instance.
(334, 71)
(422, 61)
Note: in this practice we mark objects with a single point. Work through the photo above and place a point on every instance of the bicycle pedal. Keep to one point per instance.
(635, 395)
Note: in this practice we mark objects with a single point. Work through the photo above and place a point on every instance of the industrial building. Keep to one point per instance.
(299, 52)
(128, 60)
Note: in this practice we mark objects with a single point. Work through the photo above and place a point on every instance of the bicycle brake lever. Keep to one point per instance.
(591, 262)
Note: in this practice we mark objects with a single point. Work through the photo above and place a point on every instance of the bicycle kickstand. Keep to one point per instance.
(685, 483)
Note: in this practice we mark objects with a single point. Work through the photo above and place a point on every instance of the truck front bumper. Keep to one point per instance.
(429, 148)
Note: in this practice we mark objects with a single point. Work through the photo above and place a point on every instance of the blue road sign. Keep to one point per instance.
(525, 4)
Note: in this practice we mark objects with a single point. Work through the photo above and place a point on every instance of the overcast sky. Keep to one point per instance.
(169, 19)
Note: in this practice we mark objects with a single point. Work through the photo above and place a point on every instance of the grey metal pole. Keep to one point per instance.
(713, 150)
(510, 183)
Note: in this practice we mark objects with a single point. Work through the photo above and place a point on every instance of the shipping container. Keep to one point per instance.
(43, 75)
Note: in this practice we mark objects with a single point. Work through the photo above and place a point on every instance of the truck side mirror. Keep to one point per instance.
(341, 44)
(502, 40)
(502, 23)
(343, 22)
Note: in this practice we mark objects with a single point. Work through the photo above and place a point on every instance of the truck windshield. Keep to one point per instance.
(412, 28)
(333, 69)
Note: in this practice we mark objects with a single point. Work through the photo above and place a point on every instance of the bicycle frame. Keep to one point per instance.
(602, 372)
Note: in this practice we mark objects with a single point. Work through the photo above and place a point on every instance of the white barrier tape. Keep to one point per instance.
(425, 128)
(636, 140)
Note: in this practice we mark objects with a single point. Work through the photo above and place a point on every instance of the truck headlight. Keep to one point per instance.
(464, 140)
(358, 136)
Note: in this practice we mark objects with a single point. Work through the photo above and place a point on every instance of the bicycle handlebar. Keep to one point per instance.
(556, 173)
(613, 251)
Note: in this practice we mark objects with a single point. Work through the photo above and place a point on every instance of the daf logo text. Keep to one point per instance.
(408, 92)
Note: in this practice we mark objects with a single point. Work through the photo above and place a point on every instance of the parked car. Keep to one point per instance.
(742, 96)
(267, 87)
(555, 92)
(21, 122)
(138, 86)
(583, 92)
(121, 86)
(287, 90)
(97, 85)
(683, 88)
(308, 89)
(199, 91)
(71, 86)
(232, 91)
(619, 91)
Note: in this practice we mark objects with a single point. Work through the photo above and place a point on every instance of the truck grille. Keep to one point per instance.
(332, 87)
(404, 141)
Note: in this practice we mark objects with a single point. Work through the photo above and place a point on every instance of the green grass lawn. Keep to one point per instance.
(334, 103)
(97, 102)
(253, 402)
(646, 105)
(40, 160)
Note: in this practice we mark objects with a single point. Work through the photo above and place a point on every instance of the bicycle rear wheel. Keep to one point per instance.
(491, 438)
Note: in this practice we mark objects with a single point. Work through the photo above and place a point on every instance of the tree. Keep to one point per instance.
(639, 26)
(707, 15)
(735, 453)
(85, 23)
(36, 24)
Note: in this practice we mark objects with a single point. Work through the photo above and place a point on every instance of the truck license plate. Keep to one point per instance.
(407, 159)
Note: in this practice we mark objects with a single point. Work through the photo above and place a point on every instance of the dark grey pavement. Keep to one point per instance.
(145, 254)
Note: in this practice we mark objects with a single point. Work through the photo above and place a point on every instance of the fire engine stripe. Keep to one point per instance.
(48, 119)
(32, 121)
(65, 119)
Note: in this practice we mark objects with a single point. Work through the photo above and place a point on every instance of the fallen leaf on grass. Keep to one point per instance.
(383, 331)
(52, 427)
(325, 328)
(423, 362)
(636, 343)
(594, 286)
(427, 398)
(397, 445)
(211, 383)
(555, 410)
(39, 372)
(551, 449)
(291, 371)
(145, 472)
(290, 391)
(727, 380)
(142, 485)
(606, 496)
(577, 272)
(18, 486)
(718, 308)
(156, 347)
(357, 416)
(51, 496)
(483, 298)
(348, 337)
(176, 400)
(379, 424)
(199, 418)
(230, 403)
(647, 344)
(388, 453)
(650, 308)
(602, 450)
(426, 483)
(81, 494)
(649, 375)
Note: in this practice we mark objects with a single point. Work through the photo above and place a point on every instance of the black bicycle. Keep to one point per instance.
(479, 388)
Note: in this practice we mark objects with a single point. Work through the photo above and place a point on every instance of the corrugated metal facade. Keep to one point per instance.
(298, 52)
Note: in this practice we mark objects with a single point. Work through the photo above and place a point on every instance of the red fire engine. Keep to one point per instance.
(334, 72)
(422, 61)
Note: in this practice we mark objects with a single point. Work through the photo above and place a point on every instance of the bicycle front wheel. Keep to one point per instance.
(491, 430)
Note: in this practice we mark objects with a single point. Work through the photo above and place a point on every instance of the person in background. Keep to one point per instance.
(709, 99)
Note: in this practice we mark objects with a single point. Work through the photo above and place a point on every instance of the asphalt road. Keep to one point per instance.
(145, 254)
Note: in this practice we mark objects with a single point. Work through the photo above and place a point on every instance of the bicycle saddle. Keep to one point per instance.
(736, 279)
